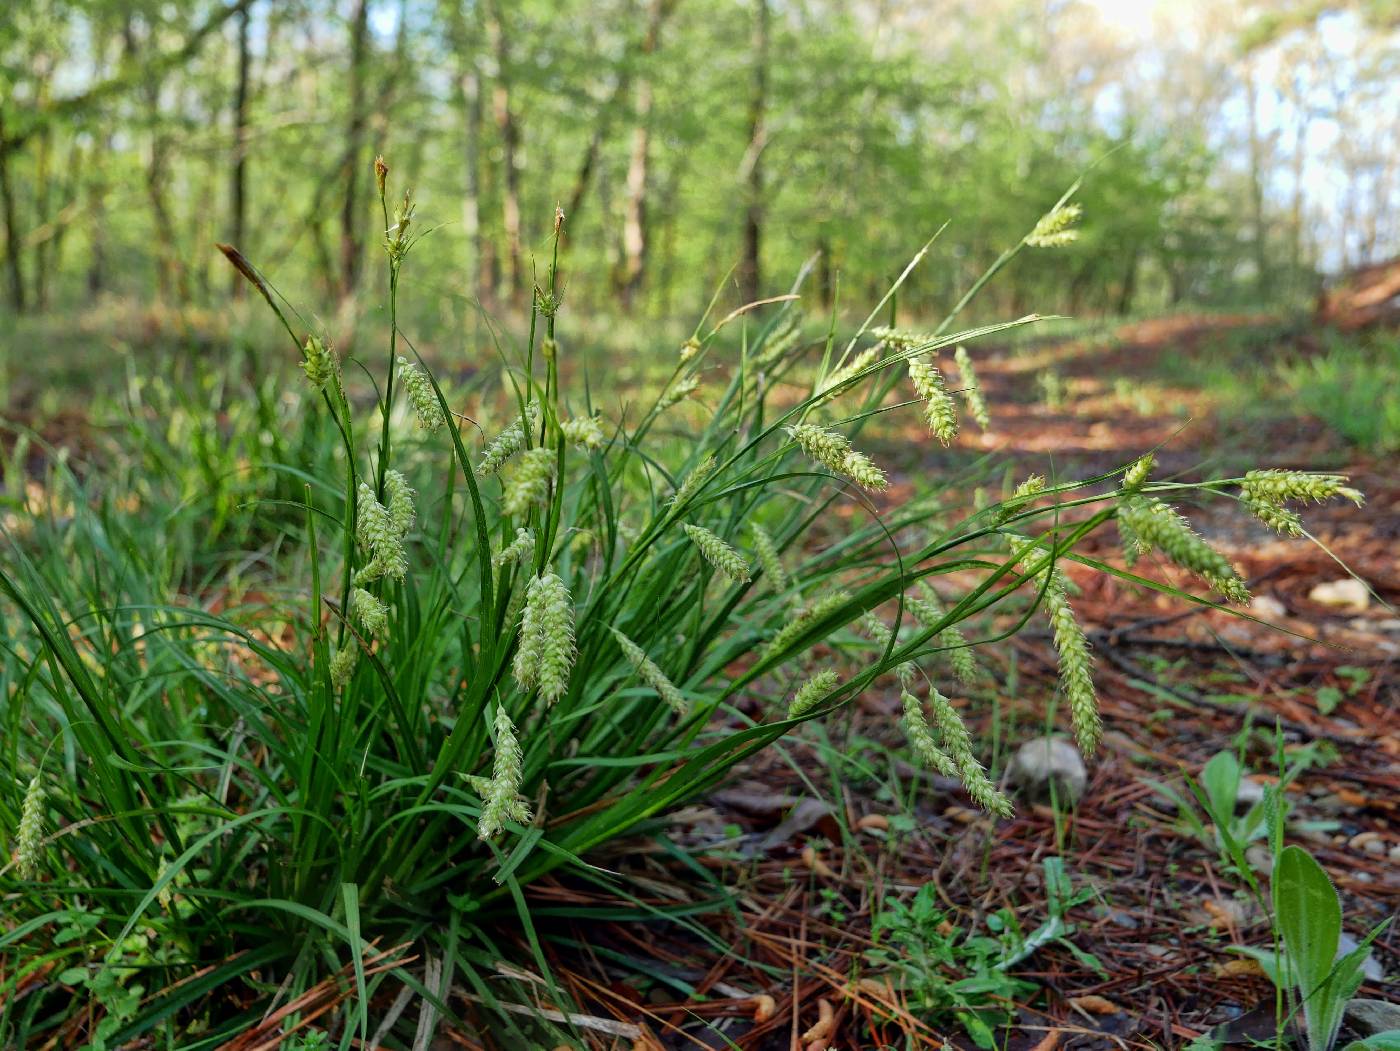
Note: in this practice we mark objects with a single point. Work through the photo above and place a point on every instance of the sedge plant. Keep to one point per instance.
(459, 663)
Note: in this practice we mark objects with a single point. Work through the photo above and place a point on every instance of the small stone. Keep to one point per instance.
(1395, 853)
(1259, 857)
(1370, 842)
(1048, 763)
(1371, 968)
(1249, 793)
(1369, 1017)
(1266, 607)
(1348, 594)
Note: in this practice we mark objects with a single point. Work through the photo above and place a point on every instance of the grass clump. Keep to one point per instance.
(423, 671)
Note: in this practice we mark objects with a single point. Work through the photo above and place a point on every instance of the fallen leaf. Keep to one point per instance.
(816, 864)
(826, 1022)
(764, 1007)
(873, 821)
(1094, 1004)
(1245, 968)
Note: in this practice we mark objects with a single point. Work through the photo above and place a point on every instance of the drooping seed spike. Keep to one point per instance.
(421, 395)
(501, 801)
(811, 693)
(719, 554)
(648, 671)
(940, 413)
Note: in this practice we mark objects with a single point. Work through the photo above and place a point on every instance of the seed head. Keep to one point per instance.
(372, 614)
(694, 480)
(546, 651)
(421, 395)
(1275, 516)
(29, 838)
(650, 674)
(768, 559)
(501, 801)
(902, 339)
(678, 392)
(401, 511)
(851, 369)
(920, 737)
(972, 391)
(320, 364)
(509, 442)
(811, 692)
(795, 626)
(343, 665)
(1277, 486)
(530, 483)
(1135, 477)
(1054, 230)
(584, 431)
(928, 611)
(689, 349)
(381, 173)
(377, 532)
(832, 450)
(521, 550)
(940, 413)
(958, 745)
(719, 554)
(1157, 525)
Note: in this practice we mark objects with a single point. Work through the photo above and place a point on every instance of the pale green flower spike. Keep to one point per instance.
(921, 738)
(376, 530)
(940, 413)
(1022, 495)
(320, 364)
(769, 560)
(650, 674)
(811, 692)
(29, 838)
(421, 395)
(719, 554)
(901, 339)
(880, 633)
(689, 348)
(500, 796)
(972, 390)
(1275, 486)
(529, 485)
(958, 746)
(794, 626)
(852, 368)
(372, 614)
(928, 611)
(1277, 517)
(682, 390)
(1157, 525)
(343, 666)
(509, 442)
(1135, 477)
(780, 341)
(1054, 230)
(1076, 666)
(401, 511)
(584, 431)
(1076, 676)
(831, 449)
(521, 550)
(694, 480)
(546, 651)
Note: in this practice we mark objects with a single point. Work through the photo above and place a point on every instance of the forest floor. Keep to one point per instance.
(797, 856)
(810, 860)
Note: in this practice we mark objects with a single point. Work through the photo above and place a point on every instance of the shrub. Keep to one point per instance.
(449, 668)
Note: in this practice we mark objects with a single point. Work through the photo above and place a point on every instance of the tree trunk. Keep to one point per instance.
(1256, 178)
(634, 220)
(238, 188)
(469, 94)
(750, 269)
(351, 244)
(13, 264)
(509, 128)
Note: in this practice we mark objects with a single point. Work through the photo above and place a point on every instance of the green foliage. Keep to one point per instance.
(1308, 920)
(947, 971)
(1350, 386)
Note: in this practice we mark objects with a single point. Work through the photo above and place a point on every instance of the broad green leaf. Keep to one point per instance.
(1310, 919)
(1387, 1041)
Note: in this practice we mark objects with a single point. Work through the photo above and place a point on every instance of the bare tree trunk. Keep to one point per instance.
(238, 188)
(351, 245)
(13, 264)
(750, 272)
(469, 93)
(510, 143)
(634, 220)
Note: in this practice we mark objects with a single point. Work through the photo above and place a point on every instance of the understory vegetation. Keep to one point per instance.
(309, 687)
